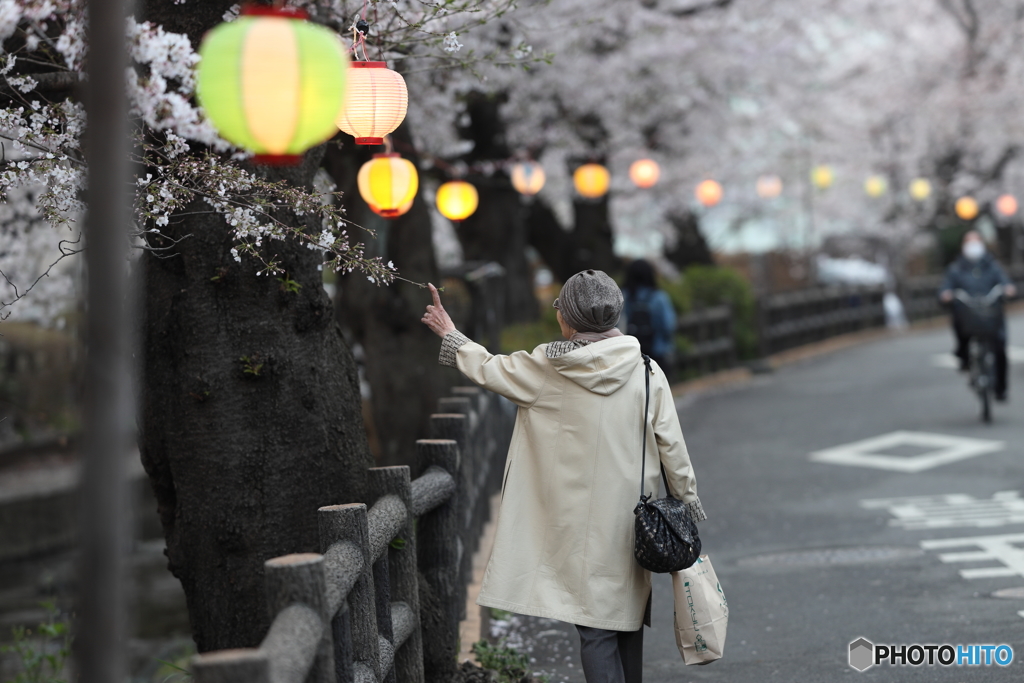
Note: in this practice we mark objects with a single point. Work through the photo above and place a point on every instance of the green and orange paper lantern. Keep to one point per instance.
(388, 184)
(272, 83)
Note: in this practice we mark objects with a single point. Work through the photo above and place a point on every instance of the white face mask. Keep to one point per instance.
(974, 250)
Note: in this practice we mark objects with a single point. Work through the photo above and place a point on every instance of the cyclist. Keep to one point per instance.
(976, 272)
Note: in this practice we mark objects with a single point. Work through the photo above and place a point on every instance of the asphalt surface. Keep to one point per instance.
(806, 565)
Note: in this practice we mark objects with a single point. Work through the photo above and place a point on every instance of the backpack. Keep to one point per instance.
(640, 323)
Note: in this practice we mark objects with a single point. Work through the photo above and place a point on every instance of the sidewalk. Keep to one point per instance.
(553, 645)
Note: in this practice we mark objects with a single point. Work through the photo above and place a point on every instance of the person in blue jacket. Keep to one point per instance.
(649, 314)
(976, 272)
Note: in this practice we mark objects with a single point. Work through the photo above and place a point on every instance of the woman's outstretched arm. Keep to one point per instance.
(518, 377)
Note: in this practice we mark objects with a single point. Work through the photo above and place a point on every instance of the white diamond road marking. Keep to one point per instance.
(943, 450)
(1001, 548)
(951, 510)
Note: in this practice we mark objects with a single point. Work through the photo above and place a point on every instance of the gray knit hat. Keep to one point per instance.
(590, 301)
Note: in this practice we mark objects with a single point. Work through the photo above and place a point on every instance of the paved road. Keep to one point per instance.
(806, 564)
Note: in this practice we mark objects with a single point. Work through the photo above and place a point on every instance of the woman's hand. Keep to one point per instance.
(436, 318)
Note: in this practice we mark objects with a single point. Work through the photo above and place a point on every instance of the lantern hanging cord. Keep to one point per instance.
(360, 28)
(359, 39)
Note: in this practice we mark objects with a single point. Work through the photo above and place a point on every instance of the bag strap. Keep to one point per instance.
(647, 404)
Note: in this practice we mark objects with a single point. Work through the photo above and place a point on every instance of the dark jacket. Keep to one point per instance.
(663, 316)
(977, 278)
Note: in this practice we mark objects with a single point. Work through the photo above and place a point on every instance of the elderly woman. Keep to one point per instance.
(564, 542)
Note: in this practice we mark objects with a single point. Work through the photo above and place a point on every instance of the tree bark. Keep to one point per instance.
(592, 235)
(592, 238)
(250, 417)
(401, 352)
(241, 453)
(551, 240)
(497, 231)
(690, 247)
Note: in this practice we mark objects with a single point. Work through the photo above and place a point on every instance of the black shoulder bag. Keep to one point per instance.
(666, 535)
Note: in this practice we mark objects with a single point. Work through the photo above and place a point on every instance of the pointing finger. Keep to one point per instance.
(433, 293)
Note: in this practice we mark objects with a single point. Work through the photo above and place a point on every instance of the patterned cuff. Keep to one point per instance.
(449, 346)
(696, 511)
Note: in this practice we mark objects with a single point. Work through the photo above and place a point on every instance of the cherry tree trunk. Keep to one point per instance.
(249, 408)
(497, 231)
(249, 418)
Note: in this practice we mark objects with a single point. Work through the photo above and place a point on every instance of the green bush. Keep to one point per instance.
(699, 287)
(43, 654)
(707, 286)
(528, 335)
(511, 665)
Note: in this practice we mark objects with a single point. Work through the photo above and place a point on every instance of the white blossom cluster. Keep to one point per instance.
(904, 89)
(162, 97)
(31, 259)
(41, 156)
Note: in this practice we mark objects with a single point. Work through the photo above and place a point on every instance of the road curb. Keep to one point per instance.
(737, 376)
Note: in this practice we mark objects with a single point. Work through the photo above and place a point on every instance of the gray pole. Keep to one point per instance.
(103, 525)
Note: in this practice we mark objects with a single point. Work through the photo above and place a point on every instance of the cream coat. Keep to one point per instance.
(564, 542)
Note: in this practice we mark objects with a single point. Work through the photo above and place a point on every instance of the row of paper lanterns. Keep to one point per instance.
(389, 184)
(276, 85)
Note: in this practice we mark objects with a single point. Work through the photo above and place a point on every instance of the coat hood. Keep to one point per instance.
(602, 367)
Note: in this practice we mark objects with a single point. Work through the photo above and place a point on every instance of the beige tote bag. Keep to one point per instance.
(702, 614)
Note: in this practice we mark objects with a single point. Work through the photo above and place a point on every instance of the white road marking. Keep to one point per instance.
(1001, 548)
(1014, 354)
(871, 452)
(951, 510)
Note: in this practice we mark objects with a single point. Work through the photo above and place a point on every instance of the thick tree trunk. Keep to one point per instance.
(250, 417)
(241, 453)
(690, 248)
(497, 231)
(401, 352)
(555, 245)
(592, 236)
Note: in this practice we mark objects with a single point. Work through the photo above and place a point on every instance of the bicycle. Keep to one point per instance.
(981, 318)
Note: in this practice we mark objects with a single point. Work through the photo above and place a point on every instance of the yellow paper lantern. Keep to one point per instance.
(644, 173)
(376, 103)
(1007, 205)
(920, 189)
(769, 186)
(528, 177)
(875, 186)
(966, 208)
(822, 177)
(388, 183)
(393, 213)
(272, 83)
(457, 200)
(708, 192)
(591, 180)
